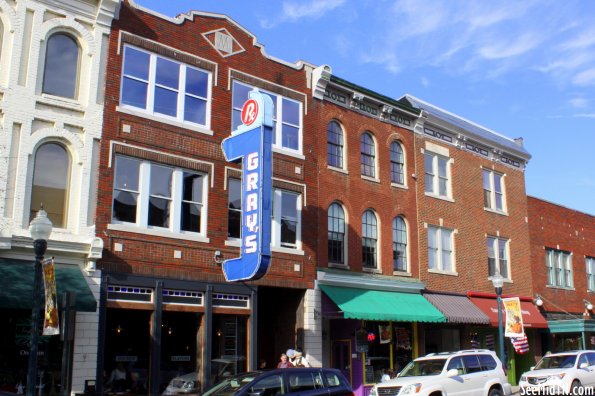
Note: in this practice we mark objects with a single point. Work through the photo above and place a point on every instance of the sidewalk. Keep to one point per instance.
(515, 390)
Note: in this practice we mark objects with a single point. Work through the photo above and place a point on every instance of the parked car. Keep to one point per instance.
(476, 372)
(308, 381)
(561, 373)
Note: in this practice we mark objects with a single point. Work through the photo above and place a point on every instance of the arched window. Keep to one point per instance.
(399, 244)
(369, 239)
(334, 149)
(60, 75)
(397, 163)
(51, 176)
(368, 155)
(336, 234)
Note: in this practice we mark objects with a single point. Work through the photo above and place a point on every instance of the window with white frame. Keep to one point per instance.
(368, 155)
(493, 190)
(234, 208)
(287, 116)
(397, 163)
(369, 240)
(440, 249)
(51, 178)
(399, 244)
(287, 223)
(61, 68)
(590, 262)
(336, 234)
(437, 174)
(558, 264)
(498, 256)
(165, 88)
(156, 196)
(334, 134)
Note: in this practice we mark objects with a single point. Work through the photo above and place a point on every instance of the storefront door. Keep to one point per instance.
(341, 357)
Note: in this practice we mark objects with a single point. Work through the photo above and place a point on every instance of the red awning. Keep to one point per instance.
(532, 318)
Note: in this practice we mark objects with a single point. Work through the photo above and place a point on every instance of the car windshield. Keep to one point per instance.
(421, 368)
(231, 385)
(557, 361)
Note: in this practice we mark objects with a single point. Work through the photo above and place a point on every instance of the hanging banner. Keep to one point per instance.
(386, 334)
(51, 326)
(514, 317)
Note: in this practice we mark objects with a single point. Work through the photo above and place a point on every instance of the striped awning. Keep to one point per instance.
(457, 309)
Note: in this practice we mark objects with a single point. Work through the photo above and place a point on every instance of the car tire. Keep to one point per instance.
(496, 392)
(574, 387)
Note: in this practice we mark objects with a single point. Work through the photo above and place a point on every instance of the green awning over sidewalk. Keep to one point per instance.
(16, 285)
(382, 305)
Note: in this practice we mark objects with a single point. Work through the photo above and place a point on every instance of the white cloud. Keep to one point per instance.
(586, 77)
(425, 82)
(585, 115)
(510, 47)
(294, 10)
(578, 103)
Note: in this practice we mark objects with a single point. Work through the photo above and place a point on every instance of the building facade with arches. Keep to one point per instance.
(52, 74)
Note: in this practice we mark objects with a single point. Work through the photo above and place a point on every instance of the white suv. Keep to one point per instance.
(561, 373)
(472, 372)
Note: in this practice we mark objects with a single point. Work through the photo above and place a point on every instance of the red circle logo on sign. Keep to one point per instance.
(249, 112)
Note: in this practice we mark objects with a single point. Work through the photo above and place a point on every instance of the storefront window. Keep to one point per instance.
(228, 346)
(384, 338)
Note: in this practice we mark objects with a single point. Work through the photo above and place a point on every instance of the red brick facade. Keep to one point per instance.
(143, 253)
(553, 226)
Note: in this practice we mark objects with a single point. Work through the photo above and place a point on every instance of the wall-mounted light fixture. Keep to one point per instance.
(538, 300)
(218, 257)
(588, 305)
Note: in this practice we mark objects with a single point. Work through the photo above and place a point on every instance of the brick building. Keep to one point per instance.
(51, 86)
(563, 264)
(169, 205)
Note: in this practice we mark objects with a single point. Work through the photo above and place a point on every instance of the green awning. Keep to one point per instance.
(382, 305)
(17, 285)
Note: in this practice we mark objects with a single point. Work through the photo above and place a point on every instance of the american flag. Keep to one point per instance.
(521, 345)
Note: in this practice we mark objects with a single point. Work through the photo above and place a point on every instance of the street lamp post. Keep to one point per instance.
(40, 229)
(498, 281)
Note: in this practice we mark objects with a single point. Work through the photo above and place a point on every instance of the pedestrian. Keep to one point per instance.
(299, 359)
(284, 362)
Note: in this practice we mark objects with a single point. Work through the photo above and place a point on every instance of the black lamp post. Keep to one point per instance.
(40, 229)
(498, 281)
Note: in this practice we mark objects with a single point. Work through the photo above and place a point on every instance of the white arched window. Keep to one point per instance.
(336, 234)
(51, 177)
(368, 155)
(397, 163)
(61, 68)
(369, 240)
(334, 150)
(399, 244)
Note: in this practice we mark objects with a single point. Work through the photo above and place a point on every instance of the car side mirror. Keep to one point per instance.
(583, 365)
(452, 373)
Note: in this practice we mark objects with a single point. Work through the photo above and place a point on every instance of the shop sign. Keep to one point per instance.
(180, 358)
(361, 341)
(251, 143)
(123, 358)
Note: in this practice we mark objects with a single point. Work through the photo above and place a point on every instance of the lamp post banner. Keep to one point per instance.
(514, 317)
(251, 143)
(50, 322)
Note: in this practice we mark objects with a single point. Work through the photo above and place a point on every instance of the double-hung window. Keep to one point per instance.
(498, 256)
(397, 163)
(399, 244)
(437, 174)
(493, 190)
(165, 88)
(287, 117)
(336, 234)
(287, 227)
(368, 155)
(334, 149)
(559, 268)
(440, 249)
(159, 197)
(234, 208)
(369, 240)
(590, 262)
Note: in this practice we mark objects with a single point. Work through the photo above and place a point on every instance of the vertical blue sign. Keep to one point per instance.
(251, 143)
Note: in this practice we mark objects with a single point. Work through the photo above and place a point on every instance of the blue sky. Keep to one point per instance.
(520, 68)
